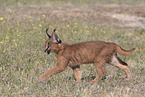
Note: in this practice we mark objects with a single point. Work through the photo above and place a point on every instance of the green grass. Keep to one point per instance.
(22, 57)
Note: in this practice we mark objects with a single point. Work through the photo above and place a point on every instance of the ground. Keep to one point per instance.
(22, 38)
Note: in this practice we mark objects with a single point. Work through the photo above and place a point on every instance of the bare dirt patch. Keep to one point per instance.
(124, 16)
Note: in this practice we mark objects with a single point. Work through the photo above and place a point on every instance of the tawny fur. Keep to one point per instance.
(97, 52)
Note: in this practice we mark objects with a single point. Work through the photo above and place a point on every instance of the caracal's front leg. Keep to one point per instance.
(76, 70)
(62, 63)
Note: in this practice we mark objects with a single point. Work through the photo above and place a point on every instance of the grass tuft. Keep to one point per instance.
(22, 37)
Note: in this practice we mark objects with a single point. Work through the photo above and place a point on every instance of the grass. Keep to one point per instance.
(22, 57)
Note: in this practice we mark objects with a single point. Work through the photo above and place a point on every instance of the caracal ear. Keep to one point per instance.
(55, 38)
(47, 33)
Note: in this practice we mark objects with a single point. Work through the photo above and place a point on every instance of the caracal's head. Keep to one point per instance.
(53, 43)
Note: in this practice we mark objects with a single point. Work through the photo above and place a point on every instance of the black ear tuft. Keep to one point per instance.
(46, 29)
(54, 30)
(47, 33)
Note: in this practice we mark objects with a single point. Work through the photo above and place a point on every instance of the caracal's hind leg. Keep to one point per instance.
(99, 64)
(116, 61)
